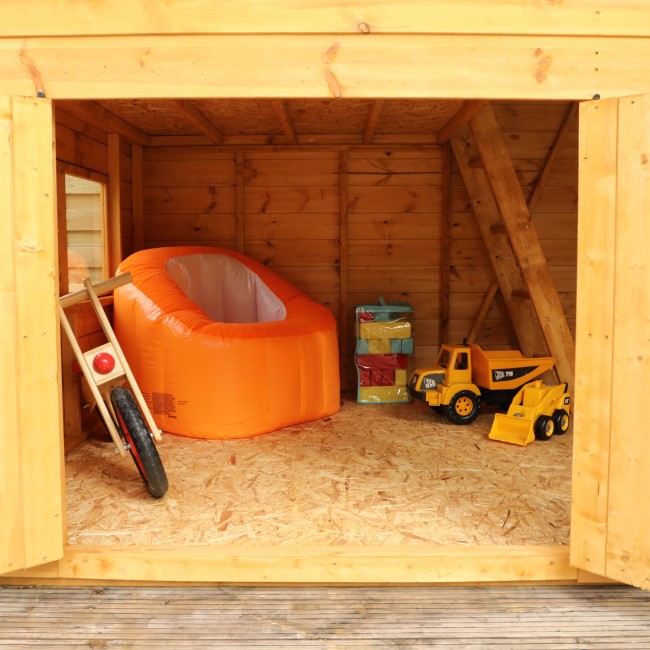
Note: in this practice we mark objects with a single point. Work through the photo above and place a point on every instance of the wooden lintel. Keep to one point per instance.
(282, 113)
(373, 119)
(522, 235)
(464, 114)
(199, 120)
(550, 159)
(99, 117)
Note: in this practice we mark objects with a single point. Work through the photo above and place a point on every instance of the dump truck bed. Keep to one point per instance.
(506, 369)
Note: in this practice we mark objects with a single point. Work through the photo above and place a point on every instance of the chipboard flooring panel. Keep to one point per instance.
(370, 475)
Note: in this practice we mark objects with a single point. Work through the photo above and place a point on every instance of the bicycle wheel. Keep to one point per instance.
(141, 444)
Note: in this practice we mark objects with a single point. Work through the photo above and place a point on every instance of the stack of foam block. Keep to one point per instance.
(384, 342)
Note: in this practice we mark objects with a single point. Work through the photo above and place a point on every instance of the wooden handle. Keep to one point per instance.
(105, 286)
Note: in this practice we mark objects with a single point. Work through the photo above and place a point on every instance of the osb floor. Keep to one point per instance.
(369, 475)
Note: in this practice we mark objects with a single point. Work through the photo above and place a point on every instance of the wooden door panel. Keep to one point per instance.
(31, 459)
(610, 527)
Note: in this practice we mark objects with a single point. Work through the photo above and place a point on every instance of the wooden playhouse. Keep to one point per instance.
(486, 162)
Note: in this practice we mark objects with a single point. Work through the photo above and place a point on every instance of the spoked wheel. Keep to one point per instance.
(140, 441)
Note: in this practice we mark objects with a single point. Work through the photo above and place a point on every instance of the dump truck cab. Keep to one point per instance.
(448, 386)
(466, 376)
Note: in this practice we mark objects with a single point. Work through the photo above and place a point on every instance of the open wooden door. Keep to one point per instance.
(31, 459)
(610, 523)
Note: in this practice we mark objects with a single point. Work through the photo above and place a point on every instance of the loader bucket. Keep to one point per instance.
(513, 429)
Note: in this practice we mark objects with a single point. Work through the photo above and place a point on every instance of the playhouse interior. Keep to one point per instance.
(351, 201)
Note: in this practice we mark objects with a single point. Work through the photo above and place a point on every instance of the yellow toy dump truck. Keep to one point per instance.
(465, 376)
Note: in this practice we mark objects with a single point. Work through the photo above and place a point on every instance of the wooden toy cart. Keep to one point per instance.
(114, 389)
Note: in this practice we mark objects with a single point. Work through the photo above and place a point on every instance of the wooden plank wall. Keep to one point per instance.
(349, 224)
(381, 240)
(529, 129)
(83, 150)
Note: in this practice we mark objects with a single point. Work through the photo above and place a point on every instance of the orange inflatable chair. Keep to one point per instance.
(221, 346)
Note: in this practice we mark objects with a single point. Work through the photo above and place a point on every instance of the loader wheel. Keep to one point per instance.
(544, 427)
(463, 407)
(561, 421)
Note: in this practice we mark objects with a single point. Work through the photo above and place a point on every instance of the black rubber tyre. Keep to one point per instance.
(140, 441)
(544, 427)
(463, 407)
(561, 421)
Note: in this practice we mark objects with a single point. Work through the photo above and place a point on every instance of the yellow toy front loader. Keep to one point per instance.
(536, 412)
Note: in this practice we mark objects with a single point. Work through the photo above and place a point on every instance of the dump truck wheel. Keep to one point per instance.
(544, 427)
(463, 407)
(561, 421)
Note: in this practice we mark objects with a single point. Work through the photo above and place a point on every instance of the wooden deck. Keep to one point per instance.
(325, 617)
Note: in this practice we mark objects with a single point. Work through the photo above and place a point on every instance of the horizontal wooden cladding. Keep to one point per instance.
(287, 66)
(478, 279)
(395, 225)
(368, 254)
(188, 199)
(398, 279)
(202, 171)
(607, 17)
(80, 150)
(324, 252)
(558, 252)
(313, 226)
(189, 227)
(547, 225)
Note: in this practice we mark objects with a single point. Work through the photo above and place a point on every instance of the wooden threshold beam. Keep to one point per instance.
(373, 120)
(198, 119)
(502, 257)
(282, 113)
(99, 117)
(464, 114)
(512, 206)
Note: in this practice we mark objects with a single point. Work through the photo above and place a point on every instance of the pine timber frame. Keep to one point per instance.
(573, 51)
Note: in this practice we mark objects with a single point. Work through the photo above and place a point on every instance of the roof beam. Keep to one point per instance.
(373, 119)
(463, 115)
(282, 113)
(199, 120)
(99, 117)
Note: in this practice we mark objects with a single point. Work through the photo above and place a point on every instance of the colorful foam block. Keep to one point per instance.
(378, 346)
(400, 378)
(362, 346)
(392, 330)
(380, 394)
(382, 361)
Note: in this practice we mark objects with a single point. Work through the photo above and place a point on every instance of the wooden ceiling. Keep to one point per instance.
(273, 121)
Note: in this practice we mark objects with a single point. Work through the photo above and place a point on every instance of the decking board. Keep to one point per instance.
(489, 617)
